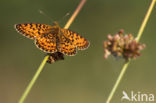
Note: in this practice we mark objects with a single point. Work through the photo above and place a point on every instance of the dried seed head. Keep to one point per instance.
(53, 57)
(121, 45)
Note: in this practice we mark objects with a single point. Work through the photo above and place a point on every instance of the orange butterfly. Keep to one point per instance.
(51, 39)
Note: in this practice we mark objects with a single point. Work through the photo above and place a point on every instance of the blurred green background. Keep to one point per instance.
(86, 77)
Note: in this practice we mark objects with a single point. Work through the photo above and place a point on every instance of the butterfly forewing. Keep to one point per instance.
(32, 30)
(80, 42)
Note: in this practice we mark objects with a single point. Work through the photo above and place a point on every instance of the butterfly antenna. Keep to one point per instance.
(67, 14)
(41, 12)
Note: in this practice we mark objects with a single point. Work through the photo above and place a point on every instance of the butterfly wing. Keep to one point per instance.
(32, 30)
(47, 43)
(66, 47)
(80, 42)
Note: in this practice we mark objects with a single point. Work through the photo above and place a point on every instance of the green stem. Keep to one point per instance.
(33, 80)
(30, 85)
(124, 68)
(118, 81)
(143, 25)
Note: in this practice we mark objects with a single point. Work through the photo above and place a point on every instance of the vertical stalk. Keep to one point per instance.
(124, 68)
(39, 70)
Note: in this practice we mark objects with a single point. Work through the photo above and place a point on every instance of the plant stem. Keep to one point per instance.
(145, 20)
(32, 82)
(74, 14)
(124, 68)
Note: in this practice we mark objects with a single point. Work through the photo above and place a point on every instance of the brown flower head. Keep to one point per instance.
(121, 45)
(53, 57)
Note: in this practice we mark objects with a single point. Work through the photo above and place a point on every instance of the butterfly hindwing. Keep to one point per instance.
(47, 44)
(66, 47)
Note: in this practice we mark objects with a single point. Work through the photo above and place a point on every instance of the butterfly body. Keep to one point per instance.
(51, 39)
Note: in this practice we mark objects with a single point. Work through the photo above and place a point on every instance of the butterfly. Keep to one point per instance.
(52, 39)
